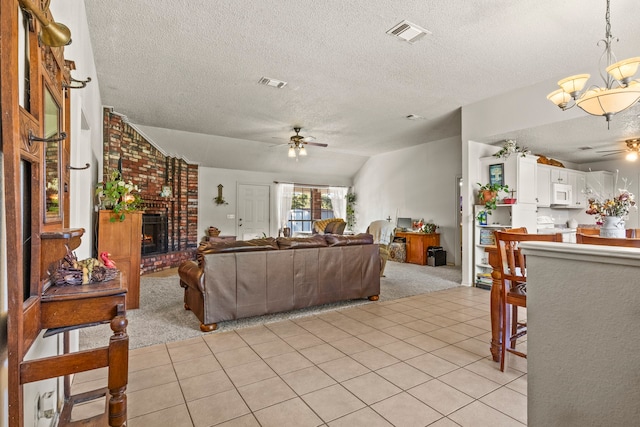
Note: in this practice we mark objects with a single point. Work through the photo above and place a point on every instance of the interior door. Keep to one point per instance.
(253, 211)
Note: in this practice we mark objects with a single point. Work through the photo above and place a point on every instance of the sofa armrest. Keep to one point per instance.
(191, 275)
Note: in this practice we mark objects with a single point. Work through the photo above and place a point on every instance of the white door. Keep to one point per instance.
(253, 211)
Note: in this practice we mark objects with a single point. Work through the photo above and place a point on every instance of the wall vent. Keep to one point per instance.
(408, 31)
(272, 82)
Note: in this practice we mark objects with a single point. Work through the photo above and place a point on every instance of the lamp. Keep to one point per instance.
(52, 33)
(602, 101)
(297, 149)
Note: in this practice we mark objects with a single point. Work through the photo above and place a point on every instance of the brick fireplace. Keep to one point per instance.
(169, 190)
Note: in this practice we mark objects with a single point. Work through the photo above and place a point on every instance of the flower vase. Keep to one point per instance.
(613, 226)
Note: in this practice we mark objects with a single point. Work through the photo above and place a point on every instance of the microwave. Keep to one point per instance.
(561, 194)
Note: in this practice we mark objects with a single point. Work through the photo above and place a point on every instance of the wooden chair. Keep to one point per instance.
(608, 241)
(514, 290)
(633, 232)
(588, 231)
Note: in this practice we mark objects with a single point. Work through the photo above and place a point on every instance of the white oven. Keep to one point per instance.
(561, 194)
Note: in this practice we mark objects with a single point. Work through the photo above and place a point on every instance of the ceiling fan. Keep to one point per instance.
(632, 149)
(297, 143)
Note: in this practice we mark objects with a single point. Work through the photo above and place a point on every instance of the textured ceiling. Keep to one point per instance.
(186, 72)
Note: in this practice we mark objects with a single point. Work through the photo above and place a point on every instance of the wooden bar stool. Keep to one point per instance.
(514, 286)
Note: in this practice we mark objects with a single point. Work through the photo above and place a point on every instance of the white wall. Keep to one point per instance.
(86, 121)
(210, 214)
(417, 182)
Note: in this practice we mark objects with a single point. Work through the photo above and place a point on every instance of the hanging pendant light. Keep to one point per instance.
(602, 101)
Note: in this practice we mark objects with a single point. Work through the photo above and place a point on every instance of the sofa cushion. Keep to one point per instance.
(301, 242)
(340, 240)
(265, 244)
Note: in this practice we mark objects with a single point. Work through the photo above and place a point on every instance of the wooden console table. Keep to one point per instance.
(64, 308)
(221, 238)
(417, 244)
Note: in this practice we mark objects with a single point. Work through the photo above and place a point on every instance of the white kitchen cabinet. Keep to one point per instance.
(519, 174)
(559, 175)
(526, 180)
(578, 182)
(543, 186)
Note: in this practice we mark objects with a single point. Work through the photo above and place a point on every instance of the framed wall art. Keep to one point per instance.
(496, 174)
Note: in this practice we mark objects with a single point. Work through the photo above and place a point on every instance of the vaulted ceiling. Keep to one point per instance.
(186, 73)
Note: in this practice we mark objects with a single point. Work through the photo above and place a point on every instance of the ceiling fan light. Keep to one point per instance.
(303, 151)
(632, 156)
(606, 102)
(574, 84)
(624, 70)
(559, 97)
(292, 151)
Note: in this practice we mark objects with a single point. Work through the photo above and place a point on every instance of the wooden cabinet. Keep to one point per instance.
(417, 245)
(122, 239)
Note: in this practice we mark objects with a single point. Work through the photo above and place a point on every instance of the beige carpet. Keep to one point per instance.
(162, 318)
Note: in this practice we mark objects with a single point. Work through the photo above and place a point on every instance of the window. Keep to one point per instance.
(307, 205)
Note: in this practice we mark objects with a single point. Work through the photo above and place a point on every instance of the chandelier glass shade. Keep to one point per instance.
(297, 149)
(620, 91)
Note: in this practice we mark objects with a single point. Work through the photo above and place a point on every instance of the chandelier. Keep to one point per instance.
(602, 101)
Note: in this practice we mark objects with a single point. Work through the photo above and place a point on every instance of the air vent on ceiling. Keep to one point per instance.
(272, 82)
(414, 117)
(408, 31)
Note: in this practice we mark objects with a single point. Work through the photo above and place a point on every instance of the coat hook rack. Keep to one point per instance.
(76, 84)
(73, 168)
(33, 138)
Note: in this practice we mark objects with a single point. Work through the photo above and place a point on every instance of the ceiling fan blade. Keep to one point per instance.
(309, 138)
(613, 154)
(317, 144)
(611, 151)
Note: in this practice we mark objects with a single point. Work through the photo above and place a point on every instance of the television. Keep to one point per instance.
(404, 223)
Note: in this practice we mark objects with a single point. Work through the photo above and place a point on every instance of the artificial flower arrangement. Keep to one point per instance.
(429, 228)
(618, 206)
(510, 147)
(119, 196)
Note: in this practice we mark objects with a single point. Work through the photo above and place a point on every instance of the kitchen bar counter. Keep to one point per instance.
(583, 314)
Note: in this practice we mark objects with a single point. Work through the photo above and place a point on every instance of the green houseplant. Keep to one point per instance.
(351, 210)
(488, 196)
(118, 196)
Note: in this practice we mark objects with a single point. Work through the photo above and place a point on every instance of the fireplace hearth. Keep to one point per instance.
(154, 234)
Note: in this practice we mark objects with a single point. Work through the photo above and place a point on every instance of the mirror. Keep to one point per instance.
(52, 155)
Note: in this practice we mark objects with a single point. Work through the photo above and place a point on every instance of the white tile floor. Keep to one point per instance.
(417, 361)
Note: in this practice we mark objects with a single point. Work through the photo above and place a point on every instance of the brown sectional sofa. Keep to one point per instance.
(233, 280)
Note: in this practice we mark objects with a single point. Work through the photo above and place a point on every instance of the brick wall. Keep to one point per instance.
(145, 165)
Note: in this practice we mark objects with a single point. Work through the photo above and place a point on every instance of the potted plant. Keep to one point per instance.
(351, 210)
(488, 196)
(118, 196)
